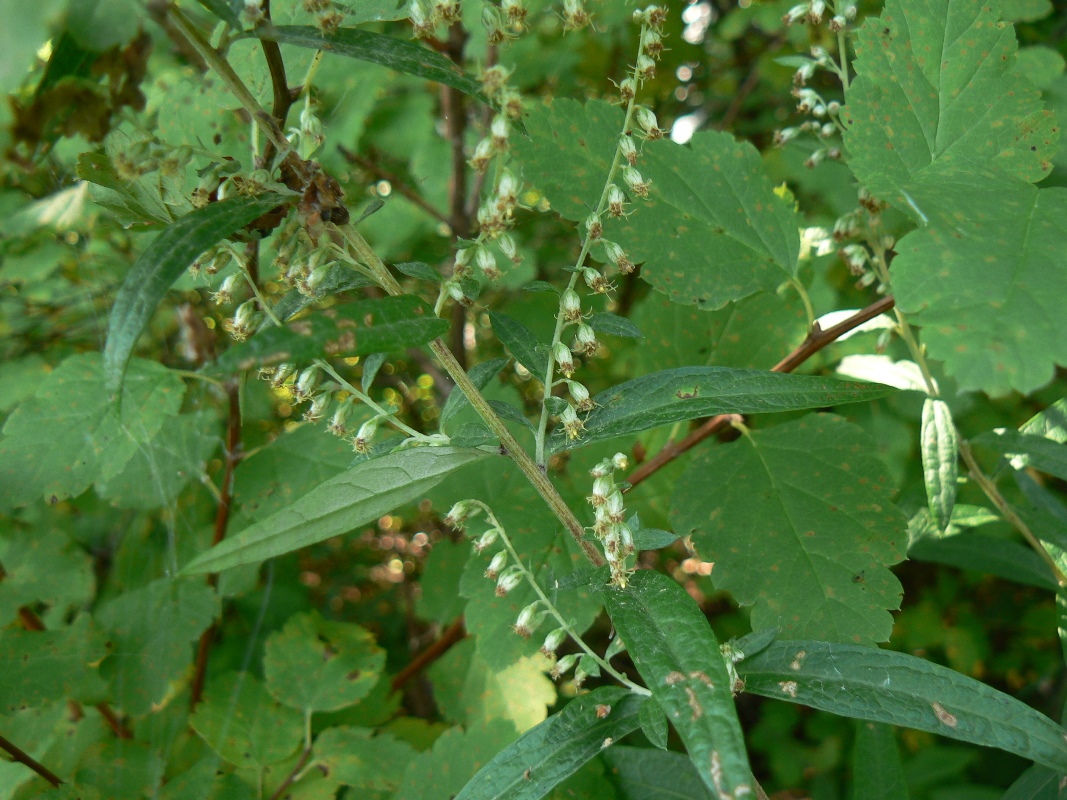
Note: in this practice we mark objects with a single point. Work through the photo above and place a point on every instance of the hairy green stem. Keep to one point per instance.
(366, 400)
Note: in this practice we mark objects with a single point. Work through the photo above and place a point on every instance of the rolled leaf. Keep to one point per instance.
(940, 454)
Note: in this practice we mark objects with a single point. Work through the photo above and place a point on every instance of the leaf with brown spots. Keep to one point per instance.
(318, 665)
(790, 516)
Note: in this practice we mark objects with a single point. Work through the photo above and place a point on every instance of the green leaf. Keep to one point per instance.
(480, 375)
(1050, 423)
(26, 27)
(654, 723)
(380, 325)
(677, 654)
(358, 758)
(643, 774)
(898, 689)
(985, 279)
(987, 555)
(440, 600)
(521, 343)
(614, 325)
(416, 269)
(130, 770)
(136, 201)
(226, 10)
(1037, 783)
(456, 756)
(362, 11)
(89, 438)
(877, 773)
(800, 522)
(243, 724)
(555, 749)
(468, 692)
(153, 629)
(678, 395)
(162, 263)
(712, 230)
(401, 55)
(42, 567)
(1027, 450)
(940, 455)
(936, 85)
(44, 666)
(371, 365)
(1025, 10)
(339, 278)
(1040, 65)
(315, 665)
(362, 494)
(508, 412)
(102, 24)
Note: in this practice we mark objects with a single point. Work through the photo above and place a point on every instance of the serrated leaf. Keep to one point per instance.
(381, 325)
(455, 757)
(361, 494)
(416, 269)
(90, 439)
(686, 393)
(940, 448)
(480, 375)
(401, 55)
(676, 652)
(244, 724)
(316, 665)
(800, 523)
(935, 86)
(162, 263)
(130, 770)
(131, 201)
(899, 689)
(614, 325)
(555, 749)
(45, 666)
(357, 757)
(712, 230)
(521, 343)
(1027, 450)
(985, 279)
(654, 723)
(42, 566)
(339, 278)
(643, 774)
(877, 773)
(1025, 10)
(153, 629)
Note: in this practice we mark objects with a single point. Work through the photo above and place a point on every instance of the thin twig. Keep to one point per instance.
(454, 633)
(815, 341)
(396, 182)
(21, 756)
(292, 776)
(222, 520)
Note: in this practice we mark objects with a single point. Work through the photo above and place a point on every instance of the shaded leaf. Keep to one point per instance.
(455, 757)
(521, 343)
(678, 395)
(316, 665)
(401, 55)
(371, 365)
(162, 263)
(226, 10)
(357, 757)
(42, 567)
(988, 555)
(654, 723)
(339, 278)
(381, 325)
(1028, 450)
(614, 325)
(243, 724)
(90, 439)
(363, 493)
(898, 689)
(555, 749)
(643, 774)
(677, 654)
(940, 456)
(480, 375)
(877, 773)
(416, 269)
(508, 412)
(799, 522)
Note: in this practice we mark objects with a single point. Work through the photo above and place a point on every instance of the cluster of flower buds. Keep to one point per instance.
(610, 526)
(575, 15)
(426, 15)
(149, 155)
(210, 180)
(244, 321)
(504, 23)
(814, 12)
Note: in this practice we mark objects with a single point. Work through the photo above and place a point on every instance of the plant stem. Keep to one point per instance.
(363, 398)
(805, 299)
(452, 634)
(986, 484)
(522, 459)
(22, 757)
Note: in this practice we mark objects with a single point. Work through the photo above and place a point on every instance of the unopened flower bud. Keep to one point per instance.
(511, 103)
(508, 580)
(594, 226)
(337, 424)
(486, 539)
(561, 354)
(509, 249)
(499, 131)
(463, 258)
(317, 410)
(595, 281)
(364, 436)
(553, 641)
(603, 469)
(804, 73)
(224, 296)
(498, 563)
(585, 340)
(563, 666)
(572, 426)
(282, 374)
(460, 513)
(616, 201)
(487, 264)
(617, 256)
(635, 182)
(603, 486)
(646, 68)
(628, 149)
(627, 90)
(528, 620)
(647, 122)
(243, 323)
(818, 8)
(580, 395)
(307, 383)
(507, 192)
(815, 159)
(421, 19)
(570, 306)
(615, 507)
(483, 154)
(620, 461)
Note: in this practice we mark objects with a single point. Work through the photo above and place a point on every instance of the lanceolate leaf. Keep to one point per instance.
(712, 229)
(935, 85)
(521, 342)
(555, 749)
(885, 686)
(940, 454)
(1025, 450)
(676, 395)
(877, 773)
(227, 10)
(401, 55)
(162, 263)
(363, 493)
(677, 654)
(640, 773)
(986, 279)
(381, 325)
(339, 278)
(480, 375)
(799, 521)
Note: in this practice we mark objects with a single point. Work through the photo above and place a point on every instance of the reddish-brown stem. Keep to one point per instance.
(395, 181)
(454, 633)
(291, 777)
(283, 98)
(222, 520)
(21, 756)
(31, 622)
(815, 341)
